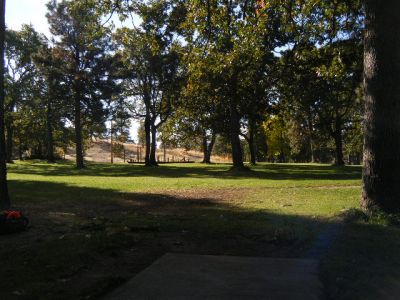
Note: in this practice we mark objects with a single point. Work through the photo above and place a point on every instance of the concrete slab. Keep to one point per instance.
(182, 276)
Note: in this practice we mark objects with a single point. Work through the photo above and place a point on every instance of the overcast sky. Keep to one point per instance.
(33, 12)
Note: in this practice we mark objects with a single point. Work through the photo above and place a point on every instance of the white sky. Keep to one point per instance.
(33, 12)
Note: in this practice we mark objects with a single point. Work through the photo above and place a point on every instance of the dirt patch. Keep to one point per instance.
(100, 151)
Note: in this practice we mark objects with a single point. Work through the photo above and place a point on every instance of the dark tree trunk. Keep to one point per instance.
(77, 106)
(311, 133)
(78, 132)
(211, 147)
(338, 144)
(78, 135)
(381, 188)
(153, 161)
(4, 197)
(253, 159)
(251, 142)
(234, 129)
(147, 130)
(9, 142)
(339, 150)
(19, 148)
(49, 133)
(207, 148)
(237, 154)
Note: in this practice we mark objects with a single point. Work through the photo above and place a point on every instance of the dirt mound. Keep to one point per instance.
(100, 151)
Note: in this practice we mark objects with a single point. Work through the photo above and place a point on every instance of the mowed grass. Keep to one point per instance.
(93, 229)
(318, 189)
(126, 177)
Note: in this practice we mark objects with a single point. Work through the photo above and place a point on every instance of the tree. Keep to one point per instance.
(21, 75)
(52, 93)
(236, 40)
(321, 69)
(320, 89)
(4, 197)
(381, 189)
(153, 77)
(201, 115)
(82, 43)
(278, 141)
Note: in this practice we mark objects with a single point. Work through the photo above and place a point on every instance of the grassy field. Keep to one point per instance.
(93, 229)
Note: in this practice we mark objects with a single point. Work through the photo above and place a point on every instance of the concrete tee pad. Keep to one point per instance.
(182, 276)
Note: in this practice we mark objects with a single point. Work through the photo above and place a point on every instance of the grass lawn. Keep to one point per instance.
(93, 229)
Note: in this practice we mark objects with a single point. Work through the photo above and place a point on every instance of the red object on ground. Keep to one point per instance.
(13, 214)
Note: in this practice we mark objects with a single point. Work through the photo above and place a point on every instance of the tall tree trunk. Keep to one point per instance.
(111, 143)
(4, 197)
(147, 130)
(381, 188)
(49, 133)
(338, 144)
(311, 133)
(339, 149)
(19, 148)
(77, 105)
(207, 148)
(9, 141)
(153, 161)
(234, 128)
(211, 147)
(78, 133)
(251, 142)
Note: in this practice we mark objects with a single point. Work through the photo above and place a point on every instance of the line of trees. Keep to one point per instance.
(276, 79)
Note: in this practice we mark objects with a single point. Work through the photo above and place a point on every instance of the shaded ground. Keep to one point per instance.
(94, 229)
(85, 249)
(183, 276)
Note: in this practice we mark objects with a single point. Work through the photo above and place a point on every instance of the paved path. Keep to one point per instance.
(182, 276)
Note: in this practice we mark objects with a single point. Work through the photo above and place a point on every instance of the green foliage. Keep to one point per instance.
(152, 76)
(278, 141)
(118, 149)
(83, 45)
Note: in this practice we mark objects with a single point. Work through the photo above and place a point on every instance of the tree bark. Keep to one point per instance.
(9, 141)
(147, 129)
(251, 142)
(234, 122)
(311, 133)
(381, 188)
(78, 135)
(4, 196)
(77, 107)
(78, 129)
(338, 144)
(153, 161)
(207, 148)
(339, 150)
(49, 132)
(111, 143)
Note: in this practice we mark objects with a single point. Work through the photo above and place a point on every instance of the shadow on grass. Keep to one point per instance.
(364, 263)
(262, 171)
(210, 211)
(85, 241)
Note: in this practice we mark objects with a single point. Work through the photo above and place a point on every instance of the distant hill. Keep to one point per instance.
(100, 151)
